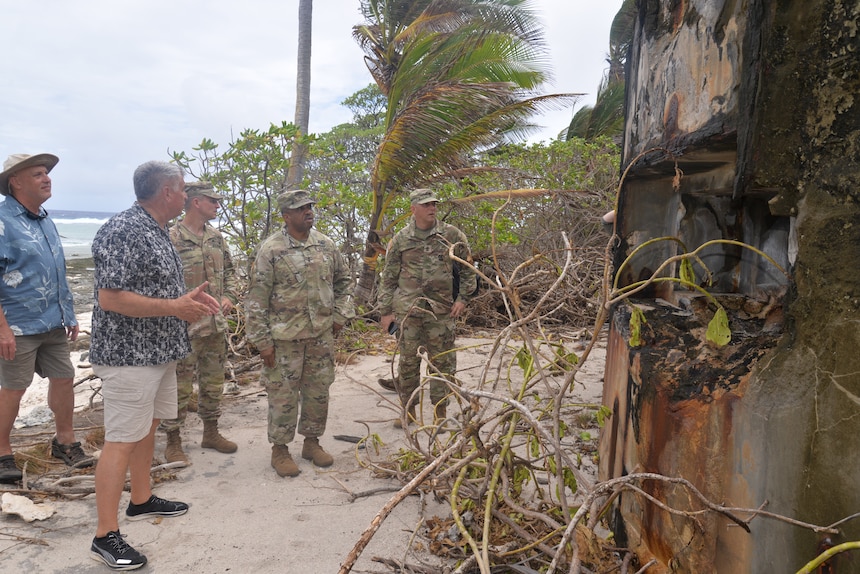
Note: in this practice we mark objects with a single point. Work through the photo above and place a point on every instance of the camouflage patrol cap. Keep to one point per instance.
(422, 195)
(294, 199)
(201, 189)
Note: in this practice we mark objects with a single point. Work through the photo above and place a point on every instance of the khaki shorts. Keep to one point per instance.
(134, 397)
(46, 354)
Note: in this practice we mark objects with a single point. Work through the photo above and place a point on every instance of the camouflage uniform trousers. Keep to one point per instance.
(299, 381)
(205, 365)
(436, 335)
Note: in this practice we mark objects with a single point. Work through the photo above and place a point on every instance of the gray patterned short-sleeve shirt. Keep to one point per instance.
(133, 253)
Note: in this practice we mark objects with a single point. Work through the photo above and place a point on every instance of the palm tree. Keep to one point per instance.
(460, 76)
(606, 117)
(303, 94)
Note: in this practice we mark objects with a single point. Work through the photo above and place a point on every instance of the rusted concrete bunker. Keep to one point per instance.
(758, 104)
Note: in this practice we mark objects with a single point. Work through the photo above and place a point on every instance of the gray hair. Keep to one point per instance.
(151, 176)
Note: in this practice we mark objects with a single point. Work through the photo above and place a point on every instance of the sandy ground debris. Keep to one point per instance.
(243, 517)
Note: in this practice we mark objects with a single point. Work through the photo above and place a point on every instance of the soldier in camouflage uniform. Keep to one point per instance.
(416, 288)
(299, 299)
(205, 257)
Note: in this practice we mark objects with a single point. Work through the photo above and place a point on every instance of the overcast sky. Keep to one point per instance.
(107, 85)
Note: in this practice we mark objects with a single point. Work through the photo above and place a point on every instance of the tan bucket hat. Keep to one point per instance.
(18, 161)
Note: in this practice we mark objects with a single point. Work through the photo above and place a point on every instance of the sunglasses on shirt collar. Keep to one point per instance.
(36, 217)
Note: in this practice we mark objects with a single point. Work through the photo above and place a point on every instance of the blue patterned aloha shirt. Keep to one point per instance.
(133, 253)
(34, 292)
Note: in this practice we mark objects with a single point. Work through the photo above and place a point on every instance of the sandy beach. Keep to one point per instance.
(243, 517)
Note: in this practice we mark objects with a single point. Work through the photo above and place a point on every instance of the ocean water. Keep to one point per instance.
(77, 229)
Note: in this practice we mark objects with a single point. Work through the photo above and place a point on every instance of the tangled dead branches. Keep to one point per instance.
(509, 464)
(575, 298)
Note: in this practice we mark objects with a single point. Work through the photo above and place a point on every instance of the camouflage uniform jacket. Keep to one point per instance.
(206, 258)
(417, 265)
(298, 290)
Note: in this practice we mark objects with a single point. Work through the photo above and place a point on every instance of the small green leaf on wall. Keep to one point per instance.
(603, 413)
(718, 329)
(637, 318)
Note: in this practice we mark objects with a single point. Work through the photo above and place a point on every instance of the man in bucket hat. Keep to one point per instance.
(298, 300)
(37, 315)
(205, 257)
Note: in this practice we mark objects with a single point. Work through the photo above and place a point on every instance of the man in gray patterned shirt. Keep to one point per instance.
(139, 331)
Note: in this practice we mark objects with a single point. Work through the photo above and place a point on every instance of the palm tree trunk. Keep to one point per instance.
(303, 95)
(364, 289)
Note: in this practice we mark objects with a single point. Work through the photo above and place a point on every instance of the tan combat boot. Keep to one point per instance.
(173, 451)
(282, 462)
(410, 417)
(312, 450)
(213, 439)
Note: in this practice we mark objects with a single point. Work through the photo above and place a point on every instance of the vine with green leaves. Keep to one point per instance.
(718, 331)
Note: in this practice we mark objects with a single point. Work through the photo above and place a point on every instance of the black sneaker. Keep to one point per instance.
(9, 471)
(114, 551)
(155, 507)
(71, 454)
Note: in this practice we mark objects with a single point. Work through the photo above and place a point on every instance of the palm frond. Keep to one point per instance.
(460, 77)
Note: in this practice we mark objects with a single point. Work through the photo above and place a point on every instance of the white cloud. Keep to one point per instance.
(107, 85)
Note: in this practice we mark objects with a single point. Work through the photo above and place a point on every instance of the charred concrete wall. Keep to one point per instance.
(755, 105)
